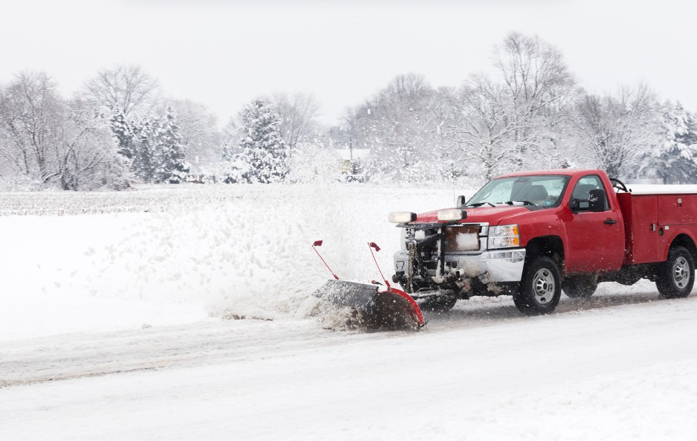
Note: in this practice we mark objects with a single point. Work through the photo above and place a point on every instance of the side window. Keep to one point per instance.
(585, 185)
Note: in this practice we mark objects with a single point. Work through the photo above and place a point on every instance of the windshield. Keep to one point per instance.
(542, 191)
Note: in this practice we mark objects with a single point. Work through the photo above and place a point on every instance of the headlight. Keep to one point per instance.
(504, 236)
(401, 217)
(451, 215)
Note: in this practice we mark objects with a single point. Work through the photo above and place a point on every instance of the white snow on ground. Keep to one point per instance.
(110, 329)
(246, 253)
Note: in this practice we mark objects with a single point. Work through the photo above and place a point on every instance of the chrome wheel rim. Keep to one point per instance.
(681, 272)
(543, 285)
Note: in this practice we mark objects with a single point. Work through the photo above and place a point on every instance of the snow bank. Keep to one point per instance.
(225, 251)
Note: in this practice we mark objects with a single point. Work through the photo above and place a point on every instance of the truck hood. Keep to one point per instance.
(491, 215)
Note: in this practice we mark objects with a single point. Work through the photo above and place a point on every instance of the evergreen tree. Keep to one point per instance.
(262, 144)
(170, 165)
(153, 146)
(143, 165)
(123, 133)
(229, 151)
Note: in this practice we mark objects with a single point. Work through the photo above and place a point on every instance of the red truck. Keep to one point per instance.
(532, 234)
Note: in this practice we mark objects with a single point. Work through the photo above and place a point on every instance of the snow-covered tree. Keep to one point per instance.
(124, 88)
(615, 132)
(539, 89)
(516, 118)
(397, 125)
(123, 134)
(168, 152)
(89, 155)
(143, 164)
(296, 116)
(513, 119)
(235, 169)
(483, 126)
(47, 141)
(262, 145)
(31, 114)
(674, 159)
(199, 132)
(152, 144)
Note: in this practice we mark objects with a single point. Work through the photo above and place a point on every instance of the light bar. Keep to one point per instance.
(451, 215)
(401, 217)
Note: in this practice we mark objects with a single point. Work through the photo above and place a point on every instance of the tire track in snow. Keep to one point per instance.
(79, 355)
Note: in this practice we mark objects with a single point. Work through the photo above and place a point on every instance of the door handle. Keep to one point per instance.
(610, 221)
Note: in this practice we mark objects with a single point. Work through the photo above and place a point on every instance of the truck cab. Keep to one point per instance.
(531, 234)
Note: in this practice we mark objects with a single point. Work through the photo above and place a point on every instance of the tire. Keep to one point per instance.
(438, 303)
(540, 289)
(676, 276)
(579, 286)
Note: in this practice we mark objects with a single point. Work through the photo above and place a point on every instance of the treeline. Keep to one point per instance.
(528, 112)
(113, 133)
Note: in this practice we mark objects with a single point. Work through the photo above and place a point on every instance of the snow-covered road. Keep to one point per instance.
(613, 367)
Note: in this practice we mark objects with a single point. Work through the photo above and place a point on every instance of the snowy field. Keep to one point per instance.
(176, 314)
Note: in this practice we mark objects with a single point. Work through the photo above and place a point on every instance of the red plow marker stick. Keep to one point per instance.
(318, 243)
(372, 245)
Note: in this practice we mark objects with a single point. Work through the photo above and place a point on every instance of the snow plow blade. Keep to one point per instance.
(390, 309)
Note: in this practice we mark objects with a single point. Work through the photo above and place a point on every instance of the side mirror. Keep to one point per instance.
(596, 200)
(579, 205)
(461, 201)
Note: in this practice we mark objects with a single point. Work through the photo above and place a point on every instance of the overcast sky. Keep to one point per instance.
(223, 53)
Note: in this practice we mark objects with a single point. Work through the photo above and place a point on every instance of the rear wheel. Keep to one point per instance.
(676, 276)
(580, 286)
(540, 288)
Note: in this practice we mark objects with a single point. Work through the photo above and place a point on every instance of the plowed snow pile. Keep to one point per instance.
(237, 252)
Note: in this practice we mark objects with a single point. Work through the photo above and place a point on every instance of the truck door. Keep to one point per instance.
(595, 240)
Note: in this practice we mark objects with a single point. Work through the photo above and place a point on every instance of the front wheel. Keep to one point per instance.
(676, 276)
(540, 288)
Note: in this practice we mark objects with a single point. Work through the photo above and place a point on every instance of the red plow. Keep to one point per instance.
(378, 305)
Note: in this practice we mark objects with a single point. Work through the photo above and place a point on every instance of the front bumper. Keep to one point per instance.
(495, 266)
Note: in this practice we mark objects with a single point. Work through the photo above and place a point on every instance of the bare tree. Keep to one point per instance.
(297, 114)
(126, 88)
(398, 126)
(87, 155)
(515, 119)
(48, 141)
(540, 92)
(614, 132)
(30, 124)
(535, 75)
(198, 128)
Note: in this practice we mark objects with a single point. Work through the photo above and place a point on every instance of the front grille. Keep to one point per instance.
(462, 238)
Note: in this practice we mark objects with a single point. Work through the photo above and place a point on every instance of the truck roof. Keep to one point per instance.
(637, 189)
(563, 172)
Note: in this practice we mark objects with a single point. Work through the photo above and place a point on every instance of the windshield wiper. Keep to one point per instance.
(522, 202)
(479, 204)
